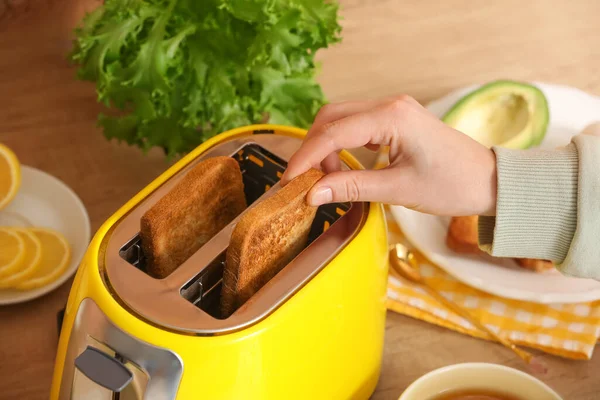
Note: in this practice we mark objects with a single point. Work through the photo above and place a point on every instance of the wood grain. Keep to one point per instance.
(423, 48)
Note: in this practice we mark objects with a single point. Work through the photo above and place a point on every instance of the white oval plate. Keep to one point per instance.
(47, 202)
(571, 110)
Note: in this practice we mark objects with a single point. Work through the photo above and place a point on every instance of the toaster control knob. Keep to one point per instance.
(103, 369)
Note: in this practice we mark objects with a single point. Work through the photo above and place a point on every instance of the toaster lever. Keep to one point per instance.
(103, 369)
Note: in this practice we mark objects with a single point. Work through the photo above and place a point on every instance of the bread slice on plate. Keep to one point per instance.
(266, 239)
(535, 265)
(462, 236)
(209, 197)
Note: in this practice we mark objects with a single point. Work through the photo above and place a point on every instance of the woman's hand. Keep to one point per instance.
(433, 168)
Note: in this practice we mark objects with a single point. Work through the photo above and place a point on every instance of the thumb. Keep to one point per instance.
(352, 186)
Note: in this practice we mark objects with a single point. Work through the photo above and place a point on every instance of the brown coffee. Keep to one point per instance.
(474, 395)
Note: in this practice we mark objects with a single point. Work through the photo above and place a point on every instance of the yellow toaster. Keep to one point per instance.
(314, 331)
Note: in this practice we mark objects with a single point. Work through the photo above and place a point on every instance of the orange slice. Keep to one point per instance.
(10, 175)
(12, 251)
(31, 261)
(56, 255)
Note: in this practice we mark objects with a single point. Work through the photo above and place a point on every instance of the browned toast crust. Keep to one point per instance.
(266, 239)
(534, 265)
(209, 197)
(462, 236)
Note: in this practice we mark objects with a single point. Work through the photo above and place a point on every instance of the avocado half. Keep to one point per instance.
(502, 113)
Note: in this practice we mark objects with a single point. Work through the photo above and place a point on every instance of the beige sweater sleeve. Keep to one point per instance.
(548, 207)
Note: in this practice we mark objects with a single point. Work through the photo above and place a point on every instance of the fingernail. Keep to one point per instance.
(321, 195)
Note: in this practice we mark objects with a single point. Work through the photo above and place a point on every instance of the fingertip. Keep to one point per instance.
(283, 180)
(288, 175)
(294, 168)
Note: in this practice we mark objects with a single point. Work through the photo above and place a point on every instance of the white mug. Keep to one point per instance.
(479, 376)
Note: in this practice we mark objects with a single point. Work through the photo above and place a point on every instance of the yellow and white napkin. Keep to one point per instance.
(567, 330)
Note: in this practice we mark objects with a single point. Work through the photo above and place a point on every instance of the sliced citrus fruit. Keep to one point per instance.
(10, 175)
(31, 261)
(56, 255)
(12, 251)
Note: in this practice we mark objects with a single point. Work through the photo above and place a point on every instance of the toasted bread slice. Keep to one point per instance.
(534, 265)
(209, 197)
(462, 236)
(266, 239)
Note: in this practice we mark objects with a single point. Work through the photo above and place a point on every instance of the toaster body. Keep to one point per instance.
(315, 331)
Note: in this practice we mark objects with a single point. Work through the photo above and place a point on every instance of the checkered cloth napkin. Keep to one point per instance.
(567, 330)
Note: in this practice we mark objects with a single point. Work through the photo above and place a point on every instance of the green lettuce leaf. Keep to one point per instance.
(177, 72)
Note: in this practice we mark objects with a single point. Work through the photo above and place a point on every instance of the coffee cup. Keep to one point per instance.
(478, 378)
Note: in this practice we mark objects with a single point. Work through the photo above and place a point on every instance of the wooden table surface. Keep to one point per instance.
(423, 48)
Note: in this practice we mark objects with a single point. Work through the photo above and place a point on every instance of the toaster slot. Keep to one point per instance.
(204, 290)
(326, 216)
(132, 253)
(260, 169)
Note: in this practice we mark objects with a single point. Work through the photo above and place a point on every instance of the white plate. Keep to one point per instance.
(47, 202)
(571, 110)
